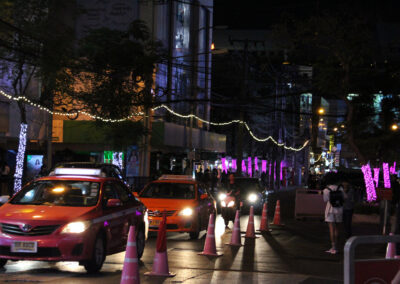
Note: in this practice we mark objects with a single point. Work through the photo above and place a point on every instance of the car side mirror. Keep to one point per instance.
(113, 202)
(204, 196)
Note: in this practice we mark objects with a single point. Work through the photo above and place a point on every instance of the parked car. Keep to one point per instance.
(186, 202)
(74, 215)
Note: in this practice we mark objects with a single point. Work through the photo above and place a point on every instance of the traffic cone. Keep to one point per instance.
(264, 220)
(209, 245)
(277, 216)
(160, 263)
(130, 270)
(250, 225)
(235, 239)
(391, 249)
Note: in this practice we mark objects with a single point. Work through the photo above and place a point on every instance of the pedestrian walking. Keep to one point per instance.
(348, 208)
(333, 196)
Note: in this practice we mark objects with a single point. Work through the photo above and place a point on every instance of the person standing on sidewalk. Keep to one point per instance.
(348, 208)
(333, 195)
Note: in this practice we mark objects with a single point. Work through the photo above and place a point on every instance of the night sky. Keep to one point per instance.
(261, 14)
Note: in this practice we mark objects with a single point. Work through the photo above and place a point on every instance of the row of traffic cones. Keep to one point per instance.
(130, 271)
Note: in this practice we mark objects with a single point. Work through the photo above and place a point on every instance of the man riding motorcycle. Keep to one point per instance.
(230, 202)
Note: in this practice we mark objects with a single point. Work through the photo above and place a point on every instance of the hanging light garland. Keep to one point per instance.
(19, 167)
(28, 101)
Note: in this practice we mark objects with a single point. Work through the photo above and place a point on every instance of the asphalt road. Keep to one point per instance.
(293, 253)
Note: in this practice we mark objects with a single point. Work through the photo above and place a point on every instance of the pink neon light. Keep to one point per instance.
(280, 171)
(376, 176)
(249, 166)
(234, 164)
(369, 183)
(223, 162)
(256, 164)
(243, 166)
(386, 176)
(264, 166)
(393, 168)
(274, 170)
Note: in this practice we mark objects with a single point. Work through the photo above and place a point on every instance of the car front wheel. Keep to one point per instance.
(98, 256)
(2, 262)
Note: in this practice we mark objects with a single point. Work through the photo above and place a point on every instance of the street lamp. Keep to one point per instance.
(394, 127)
(321, 111)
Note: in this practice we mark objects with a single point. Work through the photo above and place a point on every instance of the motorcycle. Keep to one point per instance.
(228, 206)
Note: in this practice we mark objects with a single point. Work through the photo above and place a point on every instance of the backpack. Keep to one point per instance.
(336, 197)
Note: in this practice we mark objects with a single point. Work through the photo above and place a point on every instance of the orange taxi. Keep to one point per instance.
(74, 215)
(186, 203)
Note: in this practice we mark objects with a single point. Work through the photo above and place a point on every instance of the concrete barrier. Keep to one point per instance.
(309, 203)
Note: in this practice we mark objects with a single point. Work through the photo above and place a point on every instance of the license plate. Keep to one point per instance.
(155, 222)
(29, 247)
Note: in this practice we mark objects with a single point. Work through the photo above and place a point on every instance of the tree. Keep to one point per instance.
(27, 42)
(343, 48)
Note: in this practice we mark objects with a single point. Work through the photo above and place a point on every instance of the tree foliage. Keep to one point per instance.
(343, 48)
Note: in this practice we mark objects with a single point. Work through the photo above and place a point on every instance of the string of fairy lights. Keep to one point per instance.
(188, 116)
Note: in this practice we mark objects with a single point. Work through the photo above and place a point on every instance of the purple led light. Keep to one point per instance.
(223, 164)
(256, 164)
(234, 164)
(393, 168)
(105, 224)
(280, 171)
(274, 171)
(369, 183)
(243, 166)
(264, 166)
(386, 176)
(376, 176)
(249, 168)
(138, 213)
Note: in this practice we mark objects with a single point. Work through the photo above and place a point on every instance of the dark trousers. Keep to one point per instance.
(347, 222)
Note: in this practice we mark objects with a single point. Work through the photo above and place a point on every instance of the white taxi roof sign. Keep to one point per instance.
(176, 177)
(77, 171)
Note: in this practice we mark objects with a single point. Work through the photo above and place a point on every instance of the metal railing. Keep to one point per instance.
(350, 247)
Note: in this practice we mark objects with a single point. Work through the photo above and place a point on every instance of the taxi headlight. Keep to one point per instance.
(252, 197)
(186, 212)
(231, 203)
(221, 196)
(76, 227)
(223, 203)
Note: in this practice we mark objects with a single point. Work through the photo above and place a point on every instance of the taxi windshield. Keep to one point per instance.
(59, 193)
(169, 191)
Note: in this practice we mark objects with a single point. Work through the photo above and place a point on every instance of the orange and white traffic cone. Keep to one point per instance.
(235, 239)
(250, 225)
(391, 249)
(130, 270)
(160, 263)
(209, 245)
(277, 216)
(264, 220)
